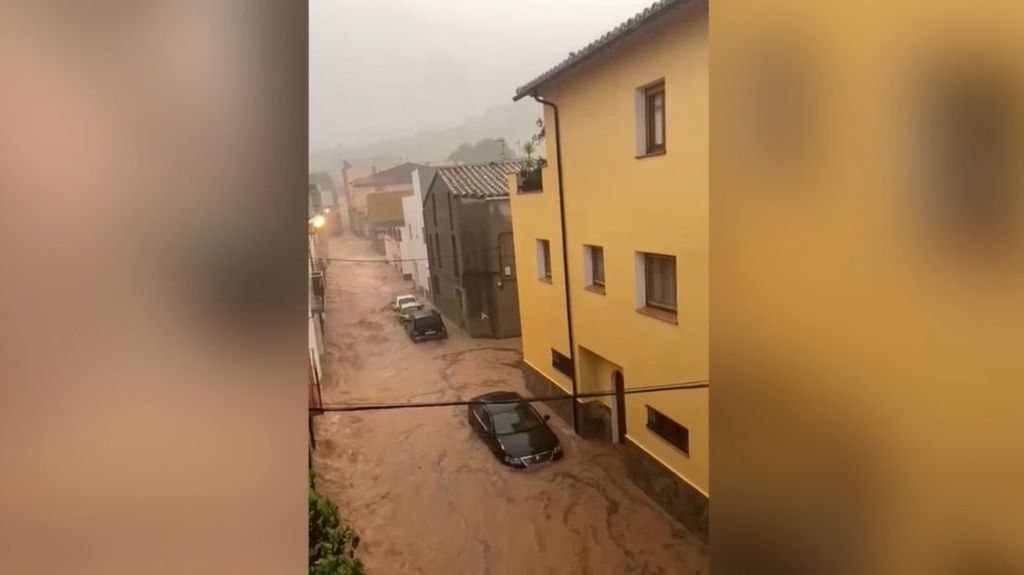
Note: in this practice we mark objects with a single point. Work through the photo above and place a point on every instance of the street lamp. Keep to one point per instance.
(317, 222)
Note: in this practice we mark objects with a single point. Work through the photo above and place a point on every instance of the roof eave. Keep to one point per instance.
(573, 62)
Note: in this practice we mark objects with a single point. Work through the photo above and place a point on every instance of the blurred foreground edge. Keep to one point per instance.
(866, 287)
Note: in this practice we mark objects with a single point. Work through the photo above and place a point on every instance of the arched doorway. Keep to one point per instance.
(618, 407)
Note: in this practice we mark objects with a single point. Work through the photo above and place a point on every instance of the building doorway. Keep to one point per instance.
(618, 407)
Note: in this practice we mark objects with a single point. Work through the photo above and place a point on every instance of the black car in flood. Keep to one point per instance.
(513, 430)
(425, 324)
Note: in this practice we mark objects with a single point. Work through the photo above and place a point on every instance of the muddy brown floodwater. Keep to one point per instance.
(426, 495)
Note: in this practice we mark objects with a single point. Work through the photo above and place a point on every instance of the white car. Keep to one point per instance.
(408, 309)
(404, 300)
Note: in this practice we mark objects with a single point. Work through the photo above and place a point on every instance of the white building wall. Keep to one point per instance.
(405, 250)
(393, 252)
(326, 198)
(316, 343)
(316, 328)
(414, 246)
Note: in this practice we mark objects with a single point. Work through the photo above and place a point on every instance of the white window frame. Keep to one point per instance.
(544, 263)
(641, 281)
(588, 268)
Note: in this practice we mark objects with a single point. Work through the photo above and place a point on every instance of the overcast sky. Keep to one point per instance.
(388, 68)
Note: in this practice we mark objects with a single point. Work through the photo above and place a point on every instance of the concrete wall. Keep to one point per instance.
(440, 230)
(487, 249)
(480, 297)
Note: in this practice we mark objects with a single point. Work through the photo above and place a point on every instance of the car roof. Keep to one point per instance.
(509, 396)
(405, 296)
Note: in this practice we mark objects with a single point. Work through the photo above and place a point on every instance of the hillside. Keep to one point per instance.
(515, 122)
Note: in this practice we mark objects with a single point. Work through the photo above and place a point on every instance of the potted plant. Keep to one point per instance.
(529, 179)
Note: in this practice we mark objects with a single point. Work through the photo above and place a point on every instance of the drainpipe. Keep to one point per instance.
(565, 260)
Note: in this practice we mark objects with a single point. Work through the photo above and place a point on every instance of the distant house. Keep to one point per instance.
(376, 202)
(468, 227)
(316, 209)
(315, 197)
(328, 193)
(327, 200)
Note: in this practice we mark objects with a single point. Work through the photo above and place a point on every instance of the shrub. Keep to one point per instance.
(332, 544)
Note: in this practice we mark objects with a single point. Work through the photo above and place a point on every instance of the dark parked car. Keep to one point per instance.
(514, 431)
(425, 324)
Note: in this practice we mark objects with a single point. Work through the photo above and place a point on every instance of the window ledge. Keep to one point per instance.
(528, 192)
(658, 313)
(652, 154)
(595, 288)
(546, 280)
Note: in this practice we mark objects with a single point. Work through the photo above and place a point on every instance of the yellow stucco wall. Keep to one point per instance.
(386, 206)
(628, 205)
(542, 312)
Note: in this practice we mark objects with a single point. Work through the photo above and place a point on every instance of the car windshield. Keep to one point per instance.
(515, 420)
(406, 299)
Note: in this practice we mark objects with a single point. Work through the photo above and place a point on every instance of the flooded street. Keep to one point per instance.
(425, 494)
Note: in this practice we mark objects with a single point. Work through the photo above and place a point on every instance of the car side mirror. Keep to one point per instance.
(547, 417)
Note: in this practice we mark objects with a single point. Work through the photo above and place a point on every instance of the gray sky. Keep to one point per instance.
(389, 68)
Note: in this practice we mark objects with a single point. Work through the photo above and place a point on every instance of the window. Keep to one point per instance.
(433, 208)
(544, 260)
(669, 430)
(593, 268)
(437, 250)
(451, 218)
(654, 118)
(561, 362)
(455, 256)
(656, 285)
(660, 281)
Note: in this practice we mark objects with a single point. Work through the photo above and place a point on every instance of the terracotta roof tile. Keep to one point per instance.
(488, 180)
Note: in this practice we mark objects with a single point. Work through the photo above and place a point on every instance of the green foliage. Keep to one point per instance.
(332, 544)
(529, 173)
(529, 148)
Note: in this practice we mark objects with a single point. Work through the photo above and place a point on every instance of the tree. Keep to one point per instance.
(332, 544)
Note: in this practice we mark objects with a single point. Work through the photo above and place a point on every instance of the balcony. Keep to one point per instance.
(528, 179)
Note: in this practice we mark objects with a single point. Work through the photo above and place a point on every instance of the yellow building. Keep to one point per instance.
(626, 122)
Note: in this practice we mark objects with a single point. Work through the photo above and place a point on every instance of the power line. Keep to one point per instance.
(701, 384)
(375, 261)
